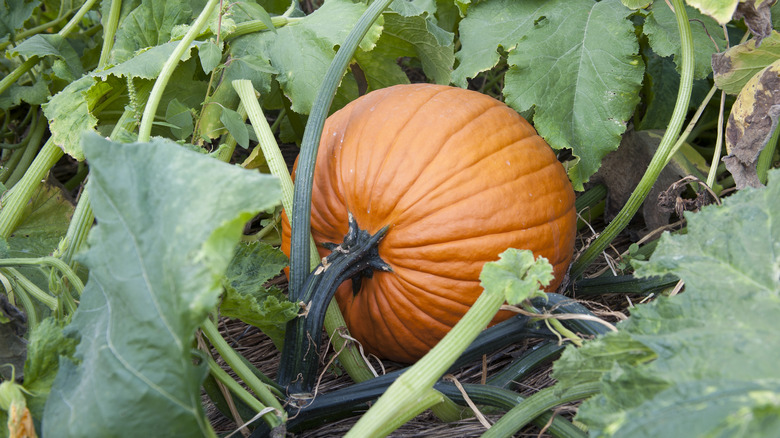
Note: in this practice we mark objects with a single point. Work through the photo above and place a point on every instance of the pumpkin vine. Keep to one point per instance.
(354, 258)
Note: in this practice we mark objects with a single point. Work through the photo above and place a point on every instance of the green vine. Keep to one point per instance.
(661, 156)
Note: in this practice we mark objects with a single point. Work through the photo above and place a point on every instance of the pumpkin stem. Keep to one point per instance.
(356, 257)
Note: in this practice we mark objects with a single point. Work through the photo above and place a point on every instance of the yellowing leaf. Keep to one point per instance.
(734, 67)
(752, 121)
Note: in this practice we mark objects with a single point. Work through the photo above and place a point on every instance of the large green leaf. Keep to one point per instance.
(414, 36)
(51, 45)
(721, 10)
(164, 238)
(13, 14)
(148, 25)
(301, 54)
(664, 37)
(704, 361)
(575, 61)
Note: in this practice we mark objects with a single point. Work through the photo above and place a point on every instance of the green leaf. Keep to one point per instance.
(413, 8)
(664, 37)
(235, 126)
(69, 114)
(491, 26)
(720, 10)
(47, 343)
(147, 64)
(13, 14)
(703, 361)
(45, 222)
(636, 4)
(662, 82)
(734, 67)
(35, 94)
(419, 37)
(51, 45)
(148, 25)
(180, 116)
(414, 36)
(210, 55)
(581, 52)
(516, 275)
(302, 53)
(246, 297)
(164, 238)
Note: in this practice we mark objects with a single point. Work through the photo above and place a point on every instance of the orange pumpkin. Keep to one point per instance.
(458, 177)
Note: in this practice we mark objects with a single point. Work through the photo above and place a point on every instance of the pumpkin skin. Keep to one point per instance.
(459, 177)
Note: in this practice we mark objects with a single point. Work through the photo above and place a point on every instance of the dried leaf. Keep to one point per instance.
(752, 120)
(757, 18)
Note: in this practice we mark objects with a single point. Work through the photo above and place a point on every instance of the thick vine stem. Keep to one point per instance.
(406, 394)
(13, 205)
(537, 404)
(301, 227)
(661, 156)
(356, 256)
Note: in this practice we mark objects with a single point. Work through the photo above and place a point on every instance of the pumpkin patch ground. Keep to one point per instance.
(397, 218)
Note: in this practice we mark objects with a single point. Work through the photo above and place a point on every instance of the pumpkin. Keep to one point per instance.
(457, 177)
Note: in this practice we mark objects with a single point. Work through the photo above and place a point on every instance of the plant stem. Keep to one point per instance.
(22, 281)
(13, 204)
(684, 136)
(27, 304)
(17, 73)
(411, 392)
(487, 395)
(350, 356)
(447, 410)
(713, 173)
(253, 26)
(144, 131)
(300, 258)
(267, 142)
(109, 31)
(238, 390)
(538, 403)
(37, 130)
(661, 156)
(253, 382)
(53, 262)
(78, 229)
(74, 21)
(16, 156)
